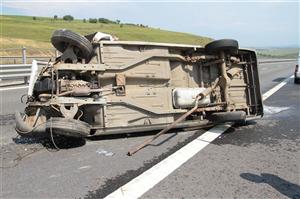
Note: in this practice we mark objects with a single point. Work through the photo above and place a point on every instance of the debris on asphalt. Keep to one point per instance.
(104, 152)
(274, 110)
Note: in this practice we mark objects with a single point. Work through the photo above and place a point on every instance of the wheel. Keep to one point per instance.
(297, 80)
(227, 45)
(219, 117)
(61, 39)
(68, 127)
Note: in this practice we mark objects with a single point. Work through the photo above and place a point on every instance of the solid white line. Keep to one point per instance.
(142, 183)
(276, 88)
(13, 88)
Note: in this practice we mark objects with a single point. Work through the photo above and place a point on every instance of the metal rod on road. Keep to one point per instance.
(148, 141)
(199, 97)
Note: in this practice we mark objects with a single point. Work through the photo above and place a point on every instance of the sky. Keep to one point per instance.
(253, 23)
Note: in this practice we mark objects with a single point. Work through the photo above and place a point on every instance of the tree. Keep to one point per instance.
(118, 21)
(68, 18)
(91, 20)
(55, 17)
(34, 18)
(84, 20)
(103, 20)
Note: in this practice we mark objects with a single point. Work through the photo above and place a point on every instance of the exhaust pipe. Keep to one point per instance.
(26, 130)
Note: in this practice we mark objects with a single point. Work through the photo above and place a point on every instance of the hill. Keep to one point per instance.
(35, 32)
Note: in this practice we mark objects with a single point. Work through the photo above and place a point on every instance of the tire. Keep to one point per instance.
(220, 117)
(297, 80)
(68, 127)
(228, 45)
(61, 39)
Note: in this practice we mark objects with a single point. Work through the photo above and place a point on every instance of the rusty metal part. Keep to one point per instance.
(25, 128)
(68, 85)
(120, 79)
(213, 62)
(233, 72)
(44, 97)
(235, 60)
(206, 107)
(213, 104)
(225, 80)
(181, 118)
(69, 113)
(210, 89)
(196, 58)
(82, 91)
(198, 127)
(121, 82)
(36, 117)
(215, 108)
(65, 93)
(148, 141)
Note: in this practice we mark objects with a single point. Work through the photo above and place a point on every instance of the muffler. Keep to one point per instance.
(26, 130)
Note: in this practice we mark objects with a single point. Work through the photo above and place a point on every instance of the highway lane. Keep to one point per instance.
(11, 100)
(88, 170)
(272, 73)
(260, 160)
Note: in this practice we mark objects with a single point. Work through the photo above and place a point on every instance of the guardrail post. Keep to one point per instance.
(24, 62)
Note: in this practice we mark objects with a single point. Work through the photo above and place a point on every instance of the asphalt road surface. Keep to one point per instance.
(258, 160)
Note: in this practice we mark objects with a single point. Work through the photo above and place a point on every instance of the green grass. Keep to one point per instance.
(20, 31)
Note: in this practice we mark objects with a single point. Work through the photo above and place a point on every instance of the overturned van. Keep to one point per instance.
(99, 86)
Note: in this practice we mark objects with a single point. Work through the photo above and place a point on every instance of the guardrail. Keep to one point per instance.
(26, 55)
(14, 71)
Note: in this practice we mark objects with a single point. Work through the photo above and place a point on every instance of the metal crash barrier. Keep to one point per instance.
(17, 71)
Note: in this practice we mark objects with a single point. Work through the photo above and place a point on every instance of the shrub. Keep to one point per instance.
(91, 20)
(104, 20)
(68, 18)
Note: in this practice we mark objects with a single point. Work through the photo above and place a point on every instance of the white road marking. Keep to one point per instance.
(276, 88)
(154, 175)
(85, 167)
(13, 88)
(142, 183)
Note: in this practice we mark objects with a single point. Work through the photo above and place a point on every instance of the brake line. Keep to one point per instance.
(52, 138)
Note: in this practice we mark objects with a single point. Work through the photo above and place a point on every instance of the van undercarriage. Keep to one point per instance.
(111, 87)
